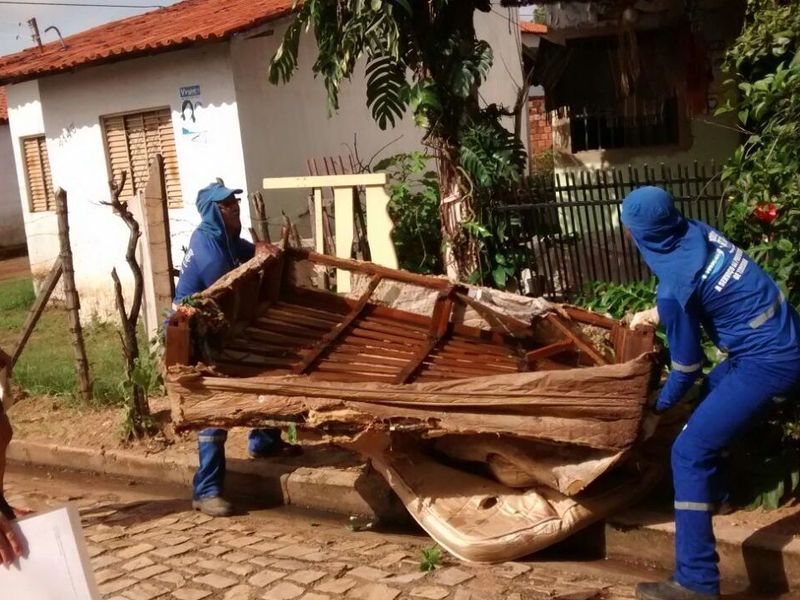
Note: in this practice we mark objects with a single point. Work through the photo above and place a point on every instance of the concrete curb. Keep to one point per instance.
(765, 559)
(762, 558)
(352, 491)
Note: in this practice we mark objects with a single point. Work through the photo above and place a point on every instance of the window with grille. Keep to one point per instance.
(132, 140)
(603, 131)
(37, 174)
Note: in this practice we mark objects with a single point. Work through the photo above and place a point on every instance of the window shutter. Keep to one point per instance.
(37, 173)
(132, 140)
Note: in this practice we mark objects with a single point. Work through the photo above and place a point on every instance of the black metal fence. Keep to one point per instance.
(569, 228)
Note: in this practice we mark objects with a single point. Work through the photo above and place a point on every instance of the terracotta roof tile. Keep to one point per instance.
(530, 27)
(169, 28)
(3, 105)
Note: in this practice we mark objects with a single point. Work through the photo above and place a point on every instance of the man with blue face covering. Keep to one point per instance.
(704, 281)
(214, 249)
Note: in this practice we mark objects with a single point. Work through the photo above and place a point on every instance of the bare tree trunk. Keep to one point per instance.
(71, 297)
(130, 319)
(456, 208)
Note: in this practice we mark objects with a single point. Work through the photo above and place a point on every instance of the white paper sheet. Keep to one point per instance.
(56, 566)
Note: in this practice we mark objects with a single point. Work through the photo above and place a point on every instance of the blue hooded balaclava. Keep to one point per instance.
(211, 223)
(673, 246)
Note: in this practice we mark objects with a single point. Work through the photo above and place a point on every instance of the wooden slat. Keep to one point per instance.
(368, 364)
(300, 330)
(550, 350)
(584, 316)
(440, 321)
(332, 336)
(375, 345)
(468, 346)
(275, 338)
(358, 332)
(580, 340)
(366, 351)
(294, 321)
(399, 330)
(371, 269)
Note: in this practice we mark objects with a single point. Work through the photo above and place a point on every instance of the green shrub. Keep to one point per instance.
(763, 190)
(414, 209)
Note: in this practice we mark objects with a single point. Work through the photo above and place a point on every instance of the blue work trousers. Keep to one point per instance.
(209, 479)
(742, 391)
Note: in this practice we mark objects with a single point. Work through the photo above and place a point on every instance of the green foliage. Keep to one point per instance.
(763, 186)
(291, 433)
(767, 460)
(763, 189)
(618, 300)
(47, 365)
(431, 558)
(414, 209)
(491, 155)
(422, 56)
(146, 373)
(502, 251)
(502, 255)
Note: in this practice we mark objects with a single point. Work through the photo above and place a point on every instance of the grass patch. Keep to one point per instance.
(47, 365)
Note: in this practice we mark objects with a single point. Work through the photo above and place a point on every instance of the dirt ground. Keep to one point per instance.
(15, 268)
(54, 420)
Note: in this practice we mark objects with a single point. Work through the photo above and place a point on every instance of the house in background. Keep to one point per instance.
(12, 228)
(188, 81)
(638, 85)
(540, 123)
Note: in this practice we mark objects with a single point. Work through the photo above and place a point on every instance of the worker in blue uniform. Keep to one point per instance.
(214, 249)
(705, 281)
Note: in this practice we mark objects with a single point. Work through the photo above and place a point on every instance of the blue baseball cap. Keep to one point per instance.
(215, 192)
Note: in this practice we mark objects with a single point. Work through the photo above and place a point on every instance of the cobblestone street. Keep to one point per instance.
(146, 543)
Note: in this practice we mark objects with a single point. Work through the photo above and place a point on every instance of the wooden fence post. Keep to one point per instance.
(36, 310)
(71, 297)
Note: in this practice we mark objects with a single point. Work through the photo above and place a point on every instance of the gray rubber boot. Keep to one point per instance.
(669, 590)
(216, 506)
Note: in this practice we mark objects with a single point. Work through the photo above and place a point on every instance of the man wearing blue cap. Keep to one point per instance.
(215, 248)
(705, 280)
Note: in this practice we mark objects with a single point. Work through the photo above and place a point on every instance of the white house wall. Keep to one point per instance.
(25, 119)
(12, 227)
(72, 107)
(285, 125)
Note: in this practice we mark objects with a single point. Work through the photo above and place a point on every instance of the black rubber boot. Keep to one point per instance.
(669, 590)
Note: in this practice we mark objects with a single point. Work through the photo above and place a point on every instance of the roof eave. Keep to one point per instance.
(105, 60)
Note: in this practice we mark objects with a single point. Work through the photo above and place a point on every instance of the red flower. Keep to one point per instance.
(766, 213)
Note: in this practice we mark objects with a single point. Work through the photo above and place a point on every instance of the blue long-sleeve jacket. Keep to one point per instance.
(206, 261)
(739, 306)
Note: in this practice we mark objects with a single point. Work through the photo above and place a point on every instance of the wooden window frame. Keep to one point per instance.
(172, 183)
(46, 174)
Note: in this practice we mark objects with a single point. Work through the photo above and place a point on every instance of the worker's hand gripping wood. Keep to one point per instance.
(645, 317)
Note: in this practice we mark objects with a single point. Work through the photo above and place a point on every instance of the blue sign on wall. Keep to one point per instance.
(190, 91)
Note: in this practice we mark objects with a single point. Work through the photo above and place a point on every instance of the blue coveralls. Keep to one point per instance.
(210, 256)
(705, 280)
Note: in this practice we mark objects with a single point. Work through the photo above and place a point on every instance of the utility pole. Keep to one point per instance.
(35, 31)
